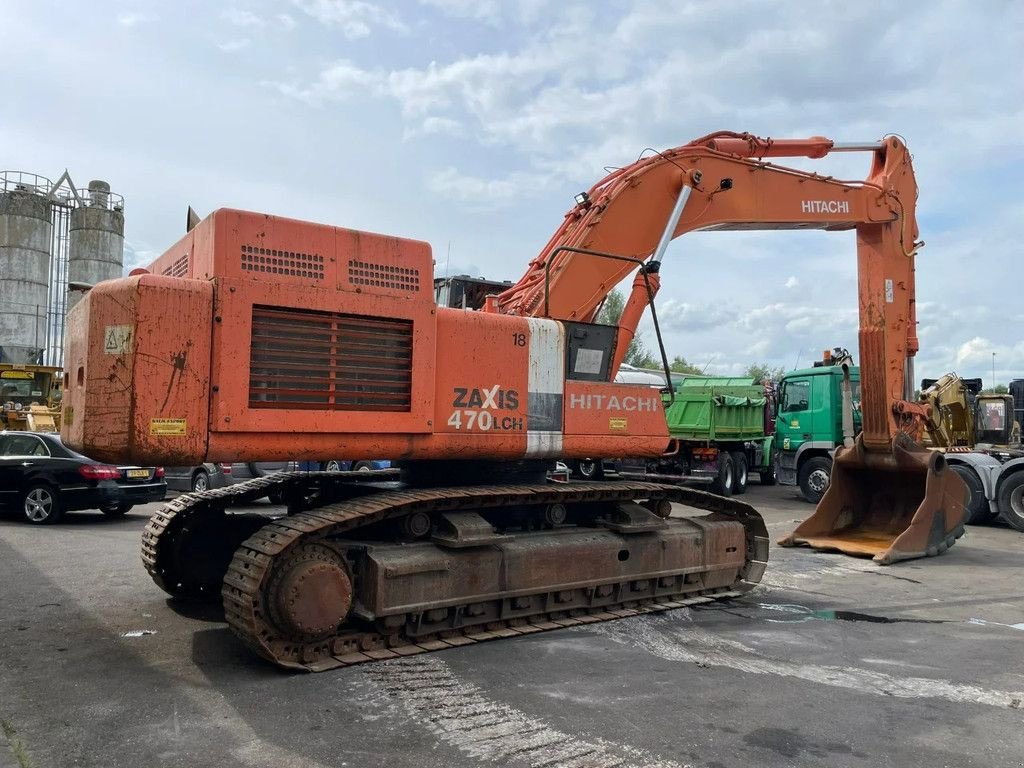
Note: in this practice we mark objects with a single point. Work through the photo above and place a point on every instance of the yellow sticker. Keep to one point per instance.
(794, 424)
(616, 423)
(167, 427)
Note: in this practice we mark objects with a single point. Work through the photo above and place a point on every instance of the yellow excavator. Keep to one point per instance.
(961, 418)
(30, 397)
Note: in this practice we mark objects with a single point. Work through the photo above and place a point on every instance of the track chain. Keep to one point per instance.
(253, 561)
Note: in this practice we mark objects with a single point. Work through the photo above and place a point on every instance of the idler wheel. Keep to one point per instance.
(312, 593)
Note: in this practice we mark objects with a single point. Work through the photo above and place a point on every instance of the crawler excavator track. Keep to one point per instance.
(363, 569)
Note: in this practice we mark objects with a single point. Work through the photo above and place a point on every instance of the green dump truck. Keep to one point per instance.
(721, 430)
(809, 424)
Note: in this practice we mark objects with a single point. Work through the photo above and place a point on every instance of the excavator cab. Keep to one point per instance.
(994, 423)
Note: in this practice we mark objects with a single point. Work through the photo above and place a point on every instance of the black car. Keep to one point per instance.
(44, 479)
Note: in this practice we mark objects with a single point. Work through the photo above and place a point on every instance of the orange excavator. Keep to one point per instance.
(260, 338)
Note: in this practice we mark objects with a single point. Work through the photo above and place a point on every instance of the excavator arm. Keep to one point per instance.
(723, 182)
(893, 499)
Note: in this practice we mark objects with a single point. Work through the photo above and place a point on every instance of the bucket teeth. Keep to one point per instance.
(893, 506)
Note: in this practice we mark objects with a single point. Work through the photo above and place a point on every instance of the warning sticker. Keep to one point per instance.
(167, 427)
(616, 422)
(117, 339)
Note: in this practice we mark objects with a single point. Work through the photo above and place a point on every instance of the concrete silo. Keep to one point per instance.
(25, 236)
(96, 239)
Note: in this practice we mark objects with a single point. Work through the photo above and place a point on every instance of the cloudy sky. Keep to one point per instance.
(472, 123)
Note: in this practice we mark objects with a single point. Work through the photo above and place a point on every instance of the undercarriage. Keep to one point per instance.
(364, 567)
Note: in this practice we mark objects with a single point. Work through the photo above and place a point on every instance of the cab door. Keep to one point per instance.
(794, 419)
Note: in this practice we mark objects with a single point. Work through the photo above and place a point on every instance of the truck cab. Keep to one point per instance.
(809, 425)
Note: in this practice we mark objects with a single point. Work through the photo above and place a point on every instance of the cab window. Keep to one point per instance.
(796, 395)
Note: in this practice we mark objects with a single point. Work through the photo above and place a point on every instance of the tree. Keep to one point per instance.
(637, 353)
(679, 364)
(1000, 389)
(761, 372)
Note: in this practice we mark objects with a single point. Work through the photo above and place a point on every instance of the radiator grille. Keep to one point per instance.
(383, 275)
(280, 262)
(329, 361)
(179, 268)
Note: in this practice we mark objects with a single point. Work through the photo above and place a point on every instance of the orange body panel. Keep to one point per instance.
(291, 340)
(127, 346)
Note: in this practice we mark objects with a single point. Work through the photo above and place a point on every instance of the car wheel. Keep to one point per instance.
(363, 466)
(1011, 500)
(589, 469)
(978, 511)
(41, 505)
(116, 510)
(813, 478)
(722, 484)
(333, 466)
(200, 481)
(739, 482)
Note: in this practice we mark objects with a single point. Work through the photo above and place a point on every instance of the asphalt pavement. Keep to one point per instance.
(832, 661)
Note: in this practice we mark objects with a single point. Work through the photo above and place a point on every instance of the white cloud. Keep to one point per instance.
(286, 20)
(486, 10)
(480, 193)
(355, 18)
(233, 46)
(435, 126)
(792, 282)
(134, 18)
(241, 18)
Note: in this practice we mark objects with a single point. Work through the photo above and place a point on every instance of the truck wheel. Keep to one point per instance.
(722, 484)
(739, 465)
(978, 511)
(1011, 500)
(813, 478)
(588, 469)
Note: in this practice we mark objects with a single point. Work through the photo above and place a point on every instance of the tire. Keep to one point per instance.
(1011, 500)
(40, 504)
(769, 476)
(740, 473)
(722, 484)
(588, 469)
(332, 466)
(116, 510)
(813, 478)
(978, 511)
(200, 481)
(363, 466)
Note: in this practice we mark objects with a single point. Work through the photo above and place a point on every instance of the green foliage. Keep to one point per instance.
(679, 364)
(637, 354)
(612, 308)
(1000, 389)
(761, 372)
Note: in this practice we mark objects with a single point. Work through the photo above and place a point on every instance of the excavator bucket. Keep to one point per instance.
(888, 506)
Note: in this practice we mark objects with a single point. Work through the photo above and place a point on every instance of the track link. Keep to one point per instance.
(253, 562)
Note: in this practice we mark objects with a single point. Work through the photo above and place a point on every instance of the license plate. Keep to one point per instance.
(136, 473)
